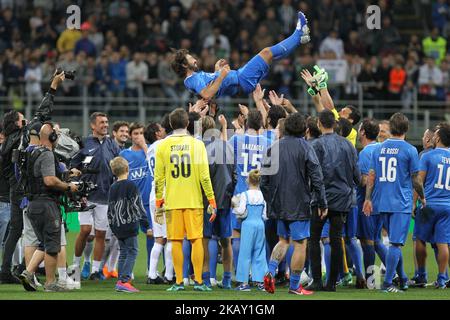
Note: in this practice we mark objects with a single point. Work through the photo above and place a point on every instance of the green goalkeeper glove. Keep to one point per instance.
(312, 91)
(320, 77)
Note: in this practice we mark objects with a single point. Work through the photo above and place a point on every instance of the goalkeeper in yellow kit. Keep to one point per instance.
(181, 172)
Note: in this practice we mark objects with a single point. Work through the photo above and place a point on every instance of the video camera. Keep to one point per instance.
(77, 201)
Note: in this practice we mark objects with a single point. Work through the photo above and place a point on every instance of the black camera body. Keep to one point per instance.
(68, 74)
(77, 201)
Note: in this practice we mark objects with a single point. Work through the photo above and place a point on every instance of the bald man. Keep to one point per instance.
(44, 188)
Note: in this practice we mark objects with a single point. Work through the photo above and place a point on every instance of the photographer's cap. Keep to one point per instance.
(35, 129)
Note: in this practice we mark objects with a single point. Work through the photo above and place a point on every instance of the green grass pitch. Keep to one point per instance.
(105, 290)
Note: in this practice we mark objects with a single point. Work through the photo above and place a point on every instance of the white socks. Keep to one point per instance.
(168, 260)
(154, 258)
(76, 261)
(386, 241)
(96, 266)
(88, 251)
(62, 274)
(113, 254)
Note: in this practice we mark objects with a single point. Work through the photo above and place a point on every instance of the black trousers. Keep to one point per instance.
(15, 227)
(337, 220)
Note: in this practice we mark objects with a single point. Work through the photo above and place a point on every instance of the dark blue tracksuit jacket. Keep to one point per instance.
(288, 191)
(102, 153)
(338, 159)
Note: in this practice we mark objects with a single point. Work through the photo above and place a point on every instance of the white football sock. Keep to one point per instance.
(88, 251)
(113, 254)
(76, 261)
(386, 241)
(95, 266)
(154, 258)
(168, 260)
(62, 273)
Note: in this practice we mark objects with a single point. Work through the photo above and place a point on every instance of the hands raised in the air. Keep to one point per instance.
(223, 121)
(275, 99)
(220, 64)
(307, 76)
(224, 70)
(198, 106)
(258, 94)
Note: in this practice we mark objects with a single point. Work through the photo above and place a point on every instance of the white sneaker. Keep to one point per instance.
(213, 282)
(73, 269)
(304, 279)
(186, 282)
(71, 284)
(63, 284)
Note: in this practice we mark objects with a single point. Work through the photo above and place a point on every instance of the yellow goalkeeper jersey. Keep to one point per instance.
(181, 171)
(353, 134)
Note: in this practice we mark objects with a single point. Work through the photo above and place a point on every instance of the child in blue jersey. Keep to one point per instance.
(394, 169)
(368, 228)
(226, 82)
(250, 205)
(136, 156)
(433, 221)
(248, 150)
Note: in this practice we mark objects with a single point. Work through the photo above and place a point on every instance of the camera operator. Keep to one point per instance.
(15, 135)
(30, 241)
(13, 123)
(44, 188)
(102, 149)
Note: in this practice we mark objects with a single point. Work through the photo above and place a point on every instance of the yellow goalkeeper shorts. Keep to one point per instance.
(182, 222)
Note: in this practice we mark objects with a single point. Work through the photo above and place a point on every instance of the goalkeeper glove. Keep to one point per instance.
(159, 214)
(320, 77)
(212, 209)
(312, 91)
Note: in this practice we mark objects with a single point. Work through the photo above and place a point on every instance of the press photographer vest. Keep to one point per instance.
(35, 186)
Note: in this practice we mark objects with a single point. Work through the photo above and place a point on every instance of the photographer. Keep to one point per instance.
(43, 189)
(100, 149)
(5, 209)
(16, 136)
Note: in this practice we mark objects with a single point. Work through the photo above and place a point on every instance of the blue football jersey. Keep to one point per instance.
(200, 80)
(270, 135)
(394, 162)
(249, 151)
(436, 163)
(365, 156)
(139, 172)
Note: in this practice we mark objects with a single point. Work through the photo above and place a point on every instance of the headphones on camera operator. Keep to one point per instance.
(53, 135)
